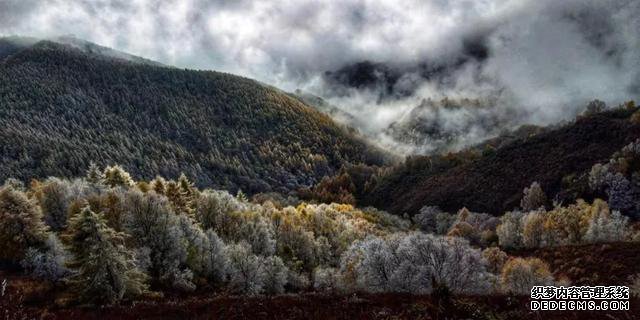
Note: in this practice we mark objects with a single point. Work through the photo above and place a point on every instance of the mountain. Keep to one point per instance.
(492, 181)
(65, 104)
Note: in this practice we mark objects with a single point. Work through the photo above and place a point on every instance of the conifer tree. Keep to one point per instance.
(116, 176)
(106, 272)
(241, 196)
(159, 185)
(94, 174)
(21, 224)
(177, 197)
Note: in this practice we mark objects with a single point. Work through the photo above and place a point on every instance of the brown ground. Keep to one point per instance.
(600, 264)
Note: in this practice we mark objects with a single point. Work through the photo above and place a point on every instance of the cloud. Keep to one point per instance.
(535, 61)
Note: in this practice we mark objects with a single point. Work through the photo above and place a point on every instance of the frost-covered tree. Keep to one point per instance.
(414, 263)
(216, 261)
(433, 220)
(607, 227)
(49, 262)
(213, 207)
(495, 259)
(510, 230)
(21, 224)
(151, 222)
(246, 273)
(15, 184)
(533, 198)
(116, 176)
(55, 198)
(533, 231)
(105, 268)
(519, 275)
(95, 175)
(326, 279)
(620, 193)
(258, 232)
(275, 275)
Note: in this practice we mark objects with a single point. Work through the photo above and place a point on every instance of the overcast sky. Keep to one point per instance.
(548, 55)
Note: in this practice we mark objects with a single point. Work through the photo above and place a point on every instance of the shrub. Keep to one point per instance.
(519, 275)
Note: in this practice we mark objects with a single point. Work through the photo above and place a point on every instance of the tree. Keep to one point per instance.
(94, 174)
(21, 224)
(275, 275)
(246, 273)
(414, 263)
(116, 176)
(519, 275)
(326, 279)
(495, 258)
(55, 197)
(216, 260)
(48, 263)
(106, 270)
(533, 231)
(433, 220)
(151, 222)
(607, 227)
(594, 107)
(510, 230)
(213, 206)
(533, 198)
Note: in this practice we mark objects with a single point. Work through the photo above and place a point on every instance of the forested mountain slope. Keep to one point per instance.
(62, 107)
(492, 182)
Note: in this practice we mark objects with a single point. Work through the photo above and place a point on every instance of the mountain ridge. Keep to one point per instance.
(63, 107)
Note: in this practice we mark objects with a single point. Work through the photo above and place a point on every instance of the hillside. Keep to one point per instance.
(493, 181)
(65, 105)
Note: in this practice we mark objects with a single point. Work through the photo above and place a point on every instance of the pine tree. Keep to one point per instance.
(159, 185)
(241, 196)
(94, 174)
(21, 224)
(106, 272)
(116, 176)
(187, 193)
(178, 198)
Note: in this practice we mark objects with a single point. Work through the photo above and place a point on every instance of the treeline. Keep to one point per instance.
(63, 107)
(490, 177)
(107, 237)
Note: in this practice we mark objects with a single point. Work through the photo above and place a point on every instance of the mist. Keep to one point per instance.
(499, 63)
